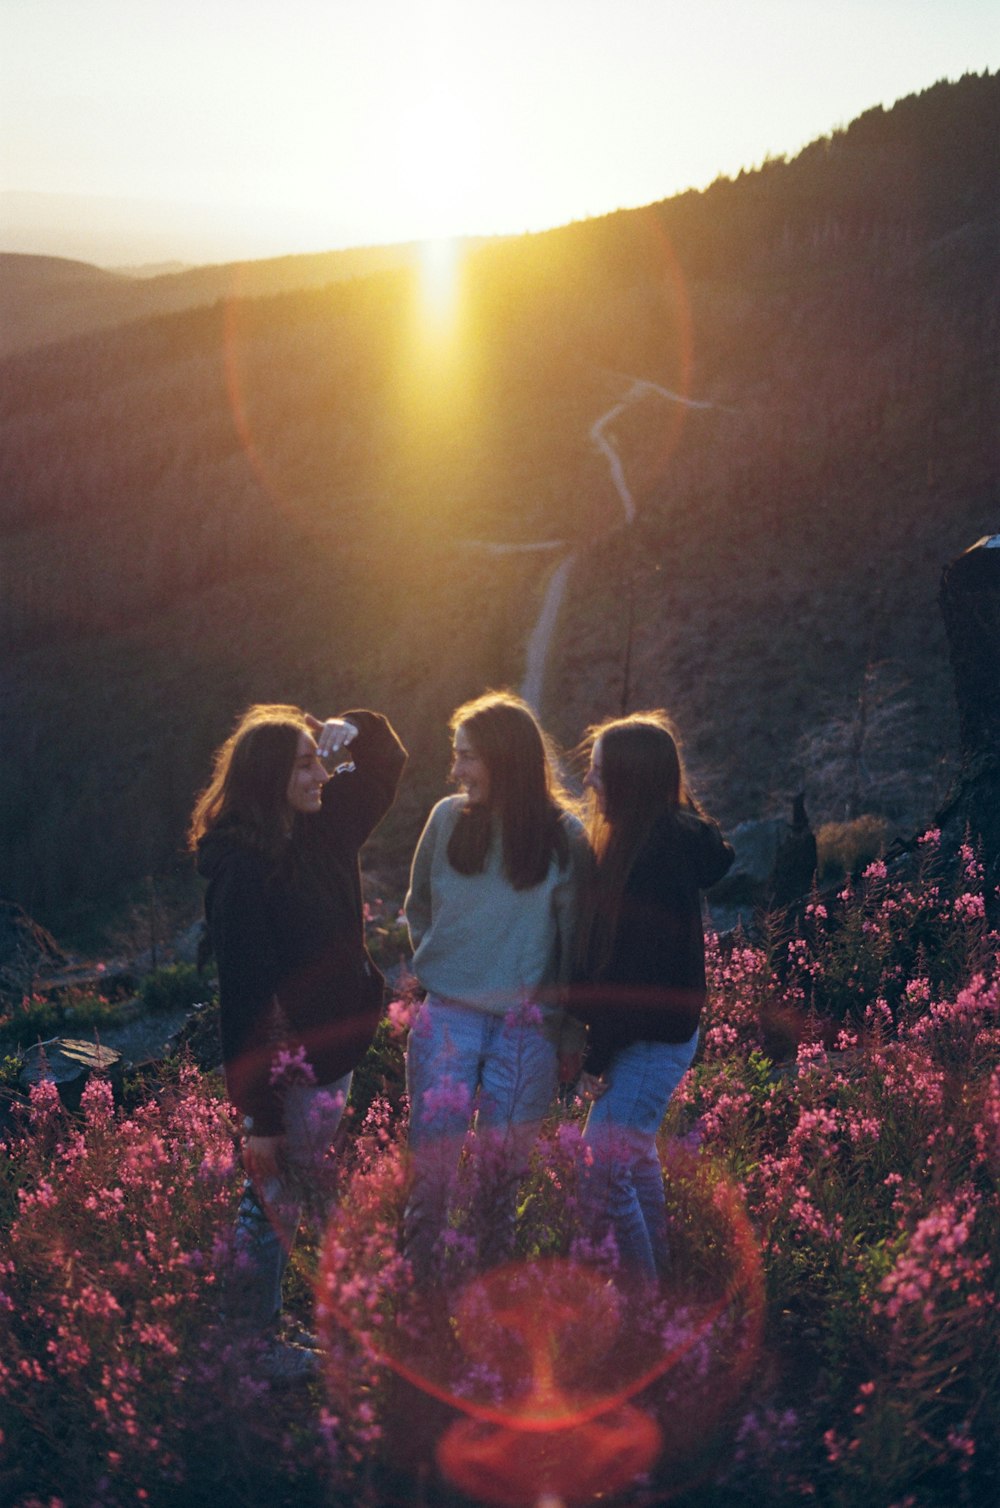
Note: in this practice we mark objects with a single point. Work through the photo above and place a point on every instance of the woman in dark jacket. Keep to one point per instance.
(640, 969)
(278, 840)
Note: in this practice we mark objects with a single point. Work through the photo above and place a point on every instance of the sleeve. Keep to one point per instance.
(249, 973)
(354, 804)
(710, 856)
(417, 905)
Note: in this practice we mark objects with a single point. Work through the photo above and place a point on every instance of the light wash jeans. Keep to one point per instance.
(268, 1217)
(460, 1061)
(623, 1186)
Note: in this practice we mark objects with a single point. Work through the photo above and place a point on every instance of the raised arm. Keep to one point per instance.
(356, 801)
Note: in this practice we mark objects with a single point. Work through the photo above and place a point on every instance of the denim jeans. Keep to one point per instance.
(269, 1215)
(460, 1061)
(622, 1188)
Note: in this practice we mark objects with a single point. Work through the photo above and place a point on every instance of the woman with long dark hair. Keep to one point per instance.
(640, 968)
(277, 838)
(490, 910)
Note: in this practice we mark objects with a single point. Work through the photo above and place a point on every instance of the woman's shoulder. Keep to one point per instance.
(688, 841)
(448, 806)
(227, 855)
(444, 814)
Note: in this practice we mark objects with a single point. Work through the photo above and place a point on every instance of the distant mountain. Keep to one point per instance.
(285, 496)
(116, 232)
(46, 299)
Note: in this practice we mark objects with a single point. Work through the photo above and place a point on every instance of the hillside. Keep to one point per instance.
(286, 497)
(47, 299)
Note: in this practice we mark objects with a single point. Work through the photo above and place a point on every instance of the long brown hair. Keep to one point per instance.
(526, 794)
(642, 773)
(250, 775)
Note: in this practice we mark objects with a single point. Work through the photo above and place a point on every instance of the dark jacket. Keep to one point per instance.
(292, 932)
(653, 986)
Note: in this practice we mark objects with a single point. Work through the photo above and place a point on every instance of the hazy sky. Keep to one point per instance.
(319, 123)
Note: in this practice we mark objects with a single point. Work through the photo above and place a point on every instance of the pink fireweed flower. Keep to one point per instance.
(726, 1113)
(875, 871)
(218, 1164)
(878, 1018)
(721, 1038)
(971, 866)
(291, 1067)
(810, 1055)
(401, 1013)
(446, 1099)
(962, 1443)
(97, 1101)
(986, 1130)
(861, 1127)
(934, 1263)
(44, 1104)
(526, 1014)
(970, 907)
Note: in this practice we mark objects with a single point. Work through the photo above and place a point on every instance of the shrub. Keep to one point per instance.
(829, 1330)
(36, 1018)
(176, 987)
(845, 848)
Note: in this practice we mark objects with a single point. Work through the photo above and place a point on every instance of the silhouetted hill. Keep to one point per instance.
(47, 299)
(285, 496)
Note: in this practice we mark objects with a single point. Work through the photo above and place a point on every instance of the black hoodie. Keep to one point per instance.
(653, 987)
(292, 931)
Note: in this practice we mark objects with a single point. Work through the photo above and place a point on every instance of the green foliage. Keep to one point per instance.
(381, 1074)
(828, 1331)
(845, 848)
(386, 936)
(177, 986)
(36, 1018)
(10, 1067)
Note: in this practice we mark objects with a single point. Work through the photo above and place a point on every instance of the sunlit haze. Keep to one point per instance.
(315, 124)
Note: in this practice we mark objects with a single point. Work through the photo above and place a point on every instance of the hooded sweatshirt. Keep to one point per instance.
(288, 934)
(653, 986)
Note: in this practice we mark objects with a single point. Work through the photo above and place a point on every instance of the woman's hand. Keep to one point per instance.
(262, 1158)
(591, 1086)
(333, 735)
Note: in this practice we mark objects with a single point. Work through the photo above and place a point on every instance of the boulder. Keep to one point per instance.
(68, 1063)
(970, 604)
(774, 868)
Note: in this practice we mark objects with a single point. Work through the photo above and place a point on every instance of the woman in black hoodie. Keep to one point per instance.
(278, 840)
(641, 969)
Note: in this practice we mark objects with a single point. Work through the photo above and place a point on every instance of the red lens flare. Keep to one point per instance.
(571, 1382)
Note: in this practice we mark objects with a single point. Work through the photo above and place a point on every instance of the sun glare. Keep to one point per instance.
(439, 285)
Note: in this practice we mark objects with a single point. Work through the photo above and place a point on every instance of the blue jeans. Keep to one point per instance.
(622, 1188)
(461, 1061)
(269, 1215)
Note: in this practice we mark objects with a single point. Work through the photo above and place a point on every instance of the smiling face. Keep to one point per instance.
(308, 777)
(468, 769)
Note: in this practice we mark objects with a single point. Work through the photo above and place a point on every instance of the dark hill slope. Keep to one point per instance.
(283, 497)
(47, 299)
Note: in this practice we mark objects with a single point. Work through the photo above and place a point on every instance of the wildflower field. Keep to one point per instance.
(829, 1333)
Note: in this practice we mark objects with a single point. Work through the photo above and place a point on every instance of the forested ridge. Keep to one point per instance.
(282, 497)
